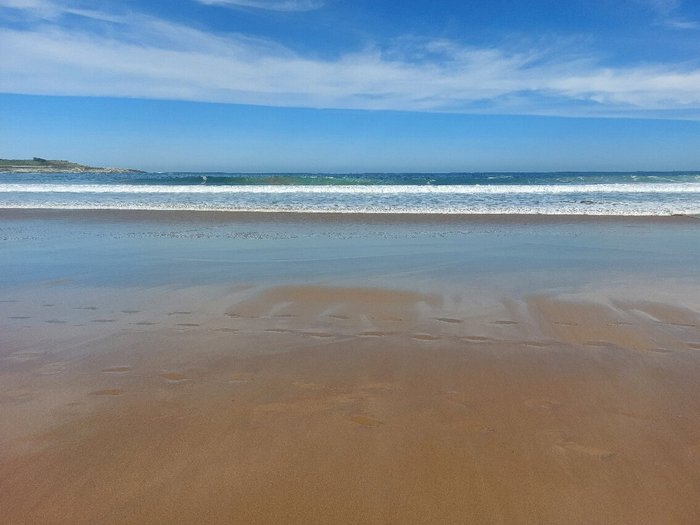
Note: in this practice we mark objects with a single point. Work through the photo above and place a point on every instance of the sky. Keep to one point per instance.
(353, 86)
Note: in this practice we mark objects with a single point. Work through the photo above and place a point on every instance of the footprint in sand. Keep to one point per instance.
(339, 317)
(48, 305)
(25, 356)
(379, 388)
(597, 344)
(448, 320)
(102, 321)
(19, 317)
(242, 378)
(188, 324)
(322, 335)
(179, 313)
(20, 397)
(505, 322)
(85, 308)
(129, 311)
(476, 339)
(308, 386)
(9, 301)
(116, 369)
(373, 333)
(174, 377)
(660, 350)
(50, 369)
(229, 330)
(108, 392)
(694, 451)
(366, 421)
(681, 325)
(583, 450)
(564, 323)
(56, 321)
(536, 344)
(544, 405)
(694, 346)
(455, 398)
(144, 323)
(425, 337)
(633, 415)
(473, 425)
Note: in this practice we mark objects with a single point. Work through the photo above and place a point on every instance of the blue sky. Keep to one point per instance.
(335, 85)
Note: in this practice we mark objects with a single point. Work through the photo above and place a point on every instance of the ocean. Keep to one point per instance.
(622, 194)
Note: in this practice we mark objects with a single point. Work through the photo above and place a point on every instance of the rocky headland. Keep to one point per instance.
(39, 165)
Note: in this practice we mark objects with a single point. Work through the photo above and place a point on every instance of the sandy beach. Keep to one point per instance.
(245, 368)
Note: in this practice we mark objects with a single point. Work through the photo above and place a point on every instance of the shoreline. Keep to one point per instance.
(224, 216)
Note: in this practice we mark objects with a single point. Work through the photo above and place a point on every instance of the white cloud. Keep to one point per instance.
(271, 5)
(681, 23)
(22, 4)
(666, 12)
(146, 57)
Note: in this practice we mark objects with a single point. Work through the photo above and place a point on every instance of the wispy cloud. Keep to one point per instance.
(271, 5)
(140, 56)
(666, 12)
(22, 4)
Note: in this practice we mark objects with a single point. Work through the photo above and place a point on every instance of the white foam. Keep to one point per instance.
(630, 210)
(523, 189)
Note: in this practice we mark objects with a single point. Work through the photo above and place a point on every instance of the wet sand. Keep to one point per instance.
(409, 378)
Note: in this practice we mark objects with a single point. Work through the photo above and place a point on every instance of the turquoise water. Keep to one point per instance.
(642, 193)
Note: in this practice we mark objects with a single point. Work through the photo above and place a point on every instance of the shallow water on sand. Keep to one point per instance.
(181, 367)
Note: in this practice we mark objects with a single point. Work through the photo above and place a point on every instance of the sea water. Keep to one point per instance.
(630, 194)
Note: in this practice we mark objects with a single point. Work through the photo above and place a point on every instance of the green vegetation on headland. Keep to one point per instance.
(39, 165)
